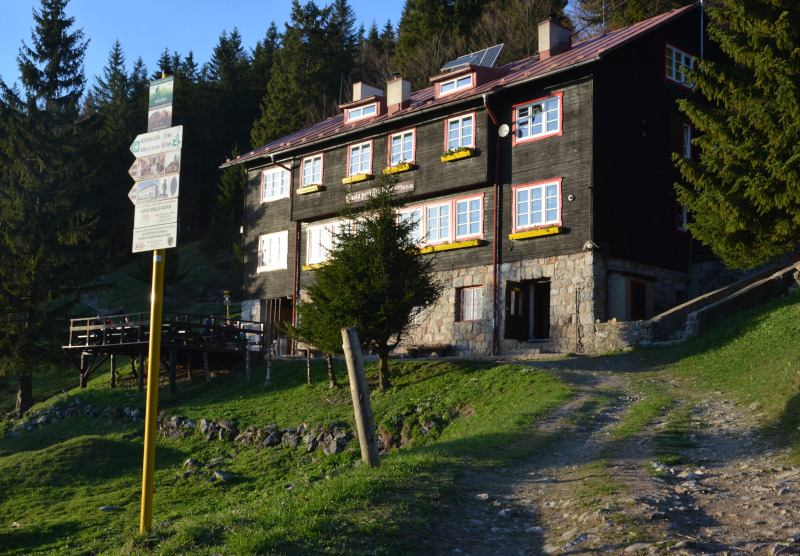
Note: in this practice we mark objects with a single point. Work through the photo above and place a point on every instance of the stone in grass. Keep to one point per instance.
(222, 475)
(214, 462)
(108, 508)
(191, 463)
(505, 512)
(483, 496)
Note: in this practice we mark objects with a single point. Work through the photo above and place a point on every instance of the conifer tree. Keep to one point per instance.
(375, 281)
(44, 219)
(743, 189)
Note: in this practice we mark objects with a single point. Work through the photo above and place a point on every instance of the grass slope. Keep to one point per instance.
(54, 480)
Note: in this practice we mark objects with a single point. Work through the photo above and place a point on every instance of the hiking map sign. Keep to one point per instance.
(156, 174)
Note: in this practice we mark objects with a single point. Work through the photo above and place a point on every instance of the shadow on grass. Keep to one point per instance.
(30, 539)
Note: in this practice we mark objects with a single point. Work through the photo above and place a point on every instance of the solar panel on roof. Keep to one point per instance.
(486, 57)
(460, 62)
(490, 55)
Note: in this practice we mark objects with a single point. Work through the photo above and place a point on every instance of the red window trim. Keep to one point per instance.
(348, 119)
(668, 78)
(452, 237)
(474, 127)
(515, 141)
(321, 167)
(514, 189)
(371, 156)
(460, 303)
(473, 75)
(678, 209)
(413, 130)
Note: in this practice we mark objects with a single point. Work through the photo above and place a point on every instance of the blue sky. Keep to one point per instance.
(146, 27)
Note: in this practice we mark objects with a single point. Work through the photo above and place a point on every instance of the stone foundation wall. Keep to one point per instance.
(438, 325)
(572, 302)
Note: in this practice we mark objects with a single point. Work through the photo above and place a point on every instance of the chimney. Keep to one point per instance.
(361, 90)
(553, 39)
(398, 94)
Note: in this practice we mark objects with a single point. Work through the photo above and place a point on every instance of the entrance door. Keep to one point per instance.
(516, 311)
(638, 300)
(528, 310)
(539, 322)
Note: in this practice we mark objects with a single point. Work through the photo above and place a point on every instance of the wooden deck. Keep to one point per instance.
(93, 339)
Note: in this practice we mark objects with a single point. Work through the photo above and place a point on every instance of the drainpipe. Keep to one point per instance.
(496, 234)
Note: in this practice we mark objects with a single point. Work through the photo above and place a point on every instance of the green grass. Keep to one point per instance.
(285, 501)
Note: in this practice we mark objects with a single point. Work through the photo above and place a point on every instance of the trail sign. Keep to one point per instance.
(156, 214)
(150, 167)
(157, 142)
(161, 91)
(152, 238)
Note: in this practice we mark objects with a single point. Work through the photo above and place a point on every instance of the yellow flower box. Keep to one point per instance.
(314, 266)
(450, 246)
(357, 178)
(397, 168)
(537, 233)
(463, 153)
(313, 188)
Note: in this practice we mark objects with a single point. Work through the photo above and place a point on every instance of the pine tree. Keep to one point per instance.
(375, 280)
(112, 103)
(44, 220)
(302, 90)
(744, 188)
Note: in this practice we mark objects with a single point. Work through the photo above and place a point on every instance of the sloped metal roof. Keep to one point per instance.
(517, 72)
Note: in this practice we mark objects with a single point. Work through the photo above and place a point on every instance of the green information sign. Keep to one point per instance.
(161, 91)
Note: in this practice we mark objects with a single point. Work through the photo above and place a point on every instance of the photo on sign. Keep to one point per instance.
(173, 162)
(147, 191)
(159, 118)
(161, 92)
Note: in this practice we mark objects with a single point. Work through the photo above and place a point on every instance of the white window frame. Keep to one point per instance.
(308, 177)
(415, 214)
(472, 220)
(456, 84)
(674, 60)
(276, 245)
(681, 219)
(321, 238)
(363, 166)
(470, 303)
(551, 110)
(460, 141)
(361, 112)
(546, 221)
(449, 233)
(275, 191)
(400, 158)
(686, 134)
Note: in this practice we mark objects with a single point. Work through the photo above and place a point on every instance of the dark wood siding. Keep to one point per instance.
(567, 156)
(264, 218)
(637, 128)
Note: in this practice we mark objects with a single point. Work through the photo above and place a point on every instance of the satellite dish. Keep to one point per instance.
(503, 130)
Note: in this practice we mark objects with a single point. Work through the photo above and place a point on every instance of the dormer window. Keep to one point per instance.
(676, 64)
(456, 84)
(366, 111)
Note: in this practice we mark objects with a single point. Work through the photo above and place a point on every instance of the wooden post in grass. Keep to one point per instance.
(113, 375)
(359, 391)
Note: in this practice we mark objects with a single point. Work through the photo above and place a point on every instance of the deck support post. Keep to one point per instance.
(173, 356)
(141, 372)
(206, 367)
(113, 375)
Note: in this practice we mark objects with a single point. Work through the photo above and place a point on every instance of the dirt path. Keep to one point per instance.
(585, 493)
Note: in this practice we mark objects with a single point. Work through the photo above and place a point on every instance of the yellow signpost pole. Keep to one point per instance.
(151, 410)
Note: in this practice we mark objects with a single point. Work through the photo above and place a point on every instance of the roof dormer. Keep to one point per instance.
(368, 102)
(467, 72)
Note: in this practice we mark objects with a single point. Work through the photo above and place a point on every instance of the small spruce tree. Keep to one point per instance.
(375, 281)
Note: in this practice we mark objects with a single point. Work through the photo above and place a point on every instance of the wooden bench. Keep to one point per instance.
(439, 350)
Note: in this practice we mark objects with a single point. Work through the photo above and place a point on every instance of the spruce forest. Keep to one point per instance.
(64, 152)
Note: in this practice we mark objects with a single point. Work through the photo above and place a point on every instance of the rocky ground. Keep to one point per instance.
(585, 492)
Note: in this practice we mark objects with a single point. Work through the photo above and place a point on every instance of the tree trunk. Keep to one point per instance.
(268, 381)
(24, 394)
(113, 374)
(84, 370)
(383, 368)
(331, 375)
(308, 364)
